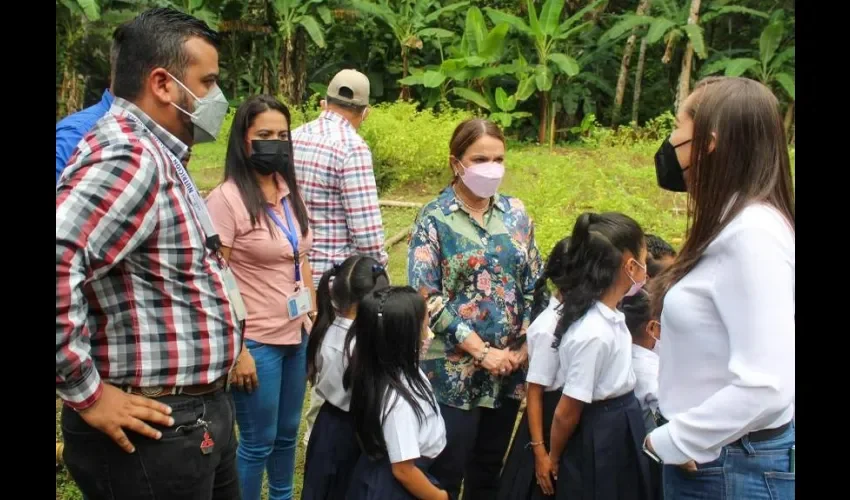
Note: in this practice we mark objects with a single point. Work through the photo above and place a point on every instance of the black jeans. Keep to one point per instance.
(172, 467)
(476, 443)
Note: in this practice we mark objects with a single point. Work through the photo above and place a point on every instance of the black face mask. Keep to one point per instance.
(270, 156)
(668, 171)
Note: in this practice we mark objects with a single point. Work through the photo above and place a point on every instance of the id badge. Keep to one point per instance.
(232, 290)
(299, 304)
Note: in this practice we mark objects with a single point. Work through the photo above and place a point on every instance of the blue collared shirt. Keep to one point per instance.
(71, 129)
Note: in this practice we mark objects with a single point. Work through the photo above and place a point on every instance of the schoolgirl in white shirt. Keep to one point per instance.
(332, 450)
(527, 473)
(396, 416)
(727, 371)
(646, 339)
(597, 429)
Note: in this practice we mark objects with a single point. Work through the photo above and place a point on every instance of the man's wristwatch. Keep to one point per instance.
(651, 454)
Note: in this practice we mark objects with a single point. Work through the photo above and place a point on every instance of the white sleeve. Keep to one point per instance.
(401, 431)
(585, 358)
(646, 388)
(543, 364)
(754, 295)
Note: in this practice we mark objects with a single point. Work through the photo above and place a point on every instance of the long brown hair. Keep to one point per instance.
(749, 164)
(469, 131)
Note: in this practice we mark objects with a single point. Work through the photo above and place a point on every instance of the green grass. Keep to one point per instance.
(556, 188)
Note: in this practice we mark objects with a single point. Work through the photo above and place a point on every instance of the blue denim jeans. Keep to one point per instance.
(269, 417)
(744, 471)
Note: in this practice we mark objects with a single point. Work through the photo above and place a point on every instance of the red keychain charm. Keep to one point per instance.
(207, 444)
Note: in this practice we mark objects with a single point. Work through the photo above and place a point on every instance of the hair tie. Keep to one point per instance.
(378, 268)
(336, 267)
(384, 294)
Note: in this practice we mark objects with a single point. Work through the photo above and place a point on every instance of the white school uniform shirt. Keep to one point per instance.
(408, 440)
(331, 364)
(645, 365)
(727, 364)
(596, 356)
(543, 362)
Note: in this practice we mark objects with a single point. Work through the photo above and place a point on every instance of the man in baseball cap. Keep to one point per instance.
(349, 88)
(333, 166)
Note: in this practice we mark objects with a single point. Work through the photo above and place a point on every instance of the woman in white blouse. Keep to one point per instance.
(727, 375)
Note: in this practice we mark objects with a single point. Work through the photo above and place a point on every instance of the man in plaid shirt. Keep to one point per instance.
(147, 326)
(334, 169)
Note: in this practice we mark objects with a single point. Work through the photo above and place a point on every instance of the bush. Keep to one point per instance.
(591, 133)
(408, 144)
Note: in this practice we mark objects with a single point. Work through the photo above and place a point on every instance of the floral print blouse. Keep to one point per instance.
(485, 277)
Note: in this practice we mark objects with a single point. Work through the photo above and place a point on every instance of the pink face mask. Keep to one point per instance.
(636, 285)
(483, 179)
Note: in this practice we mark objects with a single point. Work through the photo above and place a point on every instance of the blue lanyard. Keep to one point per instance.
(291, 235)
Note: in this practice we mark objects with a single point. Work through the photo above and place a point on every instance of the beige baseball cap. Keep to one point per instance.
(350, 86)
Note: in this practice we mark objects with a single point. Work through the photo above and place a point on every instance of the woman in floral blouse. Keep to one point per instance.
(473, 255)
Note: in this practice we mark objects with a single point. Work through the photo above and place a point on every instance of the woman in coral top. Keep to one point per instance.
(263, 224)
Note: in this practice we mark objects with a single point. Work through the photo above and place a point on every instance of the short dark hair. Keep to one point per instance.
(637, 312)
(357, 108)
(117, 37)
(658, 248)
(654, 267)
(154, 39)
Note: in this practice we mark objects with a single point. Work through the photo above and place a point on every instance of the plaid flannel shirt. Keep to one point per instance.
(334, 169)
(139, 299)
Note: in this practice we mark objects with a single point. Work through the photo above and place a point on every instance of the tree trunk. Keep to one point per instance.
(544, 117)
(405, 90)
(624, 68)
(234, 75)
(71, 97)
(685, 76)
(266, 77)
(286, 71)
(638, 81)
(553, 107)
(300, 66)
(668, 51)
(789, 119)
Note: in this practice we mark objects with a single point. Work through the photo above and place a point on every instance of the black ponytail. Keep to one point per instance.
(592, 263)
(352, 280)
(325, 316)
(554, 267)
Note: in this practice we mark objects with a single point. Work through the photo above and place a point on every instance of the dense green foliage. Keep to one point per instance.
(537, 67)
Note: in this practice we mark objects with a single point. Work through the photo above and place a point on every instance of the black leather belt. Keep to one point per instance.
(754, 437)
(767, 434)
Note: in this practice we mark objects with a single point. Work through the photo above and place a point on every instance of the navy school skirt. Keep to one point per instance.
(519, 480)
(374, 480)
(604, 458)
(332, 453)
